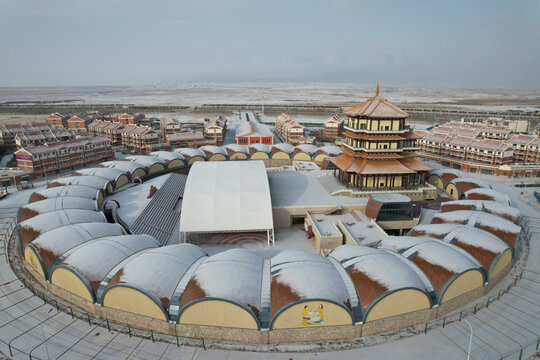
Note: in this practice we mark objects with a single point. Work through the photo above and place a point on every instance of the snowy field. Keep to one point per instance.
(273, 93)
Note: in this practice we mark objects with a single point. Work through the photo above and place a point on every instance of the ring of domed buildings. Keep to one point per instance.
(103, 242)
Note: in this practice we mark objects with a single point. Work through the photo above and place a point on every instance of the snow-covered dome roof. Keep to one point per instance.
(32, 228)
(212, 149)
(167, 155)
(487, 194)
(330, 150)
(189, 153)
(128, 167)
(232, 148)
(144, 160)
(68, 202)
(307, 148)
(286, 148)
(155, 272)
(97, 182)
(488, 206)
(299, 275)
(109, 173)
(86, 192)
(95, 259)
(52, 244)
(234, 275)
(261, 147)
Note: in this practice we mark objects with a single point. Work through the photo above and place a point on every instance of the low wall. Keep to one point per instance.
(307, 334)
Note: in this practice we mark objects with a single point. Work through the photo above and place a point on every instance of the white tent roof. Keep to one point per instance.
(226, 196)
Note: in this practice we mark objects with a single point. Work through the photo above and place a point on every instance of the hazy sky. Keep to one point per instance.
(114, 42)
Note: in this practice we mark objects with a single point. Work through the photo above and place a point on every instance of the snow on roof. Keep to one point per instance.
(489, 206)
(226, 196)
(125, 166)
(247, 128)
(96, 258)
(307, 148)
(68, 190)
(189, 152)
(234, 275)
(238, 148)
(212, 149)
(286, 148)
(157, 271)
(39, 224)
(108, 173)
(298, 274)
(483, 193)
(463, 180)
(400, 244)
(441, 172)
(477, 219)
(331, 150)
(97, 182)
(293, 188)
(144, 160)
(167, 155)
(375, 271)
(391, 198)
(261, 147)
(54, 243)
(67, 202)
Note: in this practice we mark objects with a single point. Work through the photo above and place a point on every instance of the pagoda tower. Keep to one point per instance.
(379, 148)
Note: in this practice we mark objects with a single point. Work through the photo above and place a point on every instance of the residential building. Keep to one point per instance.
(185, 139)
(214, 129)
(289, 129)
(55, 157)
(132, 119)
(12, 135)
(333, 127)
(526, 148)
(58, 120)
(169, 126)
(139, 137)
(250, 131)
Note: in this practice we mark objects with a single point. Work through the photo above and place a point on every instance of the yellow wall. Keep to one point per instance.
(397, 303)
(218, 313)
(503, 261)
(31, 257)
(133, 301)
(259, 155)
(156, 168)
(139, 172)
(452, 190)
(292, 317)
(67, 280)
(238, 156)
(194, 159)
(436, 181)
(175, 163)
(100, 198)
(320, 157)
(280, 155)
(217, 157)
(302, 156)
(122, 180)
(466, 282)
(109, 188)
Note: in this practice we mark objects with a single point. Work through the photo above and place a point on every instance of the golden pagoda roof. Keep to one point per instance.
(370, 167)
(377, 107)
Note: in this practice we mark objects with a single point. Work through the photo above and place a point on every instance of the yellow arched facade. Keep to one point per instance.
(133, 301)
(327, 314)
(398, 303)
(302, 156)
(175, 163)
(504, 260)
(452, 190)
(436, 181)
(155, 168)
(31, 257)
(68, 281)
(259, 155)
(320, 157)
(280, 155)
(109, 188)
(217, 157)
(238, 156)
(122, 180)
(218, 313)
(193, 159)
(464, 283)
(138, 173)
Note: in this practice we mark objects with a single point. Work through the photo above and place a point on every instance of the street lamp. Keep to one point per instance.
(462, 317)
